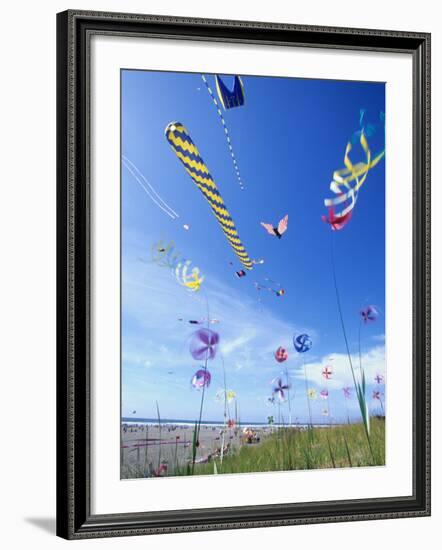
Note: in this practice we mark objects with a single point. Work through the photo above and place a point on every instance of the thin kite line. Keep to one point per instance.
(137, 174)
(226, 131)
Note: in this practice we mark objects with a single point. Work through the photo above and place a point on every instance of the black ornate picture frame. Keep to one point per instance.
(74, 32)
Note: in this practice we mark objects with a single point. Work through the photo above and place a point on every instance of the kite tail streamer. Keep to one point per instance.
(226, 131)
(187, 152)
(341, 185)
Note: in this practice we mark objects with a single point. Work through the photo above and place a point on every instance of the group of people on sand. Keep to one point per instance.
(250, 436)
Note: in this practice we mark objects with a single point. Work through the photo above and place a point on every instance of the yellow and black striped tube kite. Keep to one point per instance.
(187, 152)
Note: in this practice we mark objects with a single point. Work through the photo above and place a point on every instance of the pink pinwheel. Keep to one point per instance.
(280, 388)
(201, 379)
(347, 392)
(204, 344)
(376, 394)
(327, 373)
(379, 379)
(324, 394)
(281, 355)
(161, 470)
(369, 314)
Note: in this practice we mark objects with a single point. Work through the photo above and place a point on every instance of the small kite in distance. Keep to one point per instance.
(347, 392)
(281, 354)
(278, 291)
(370, 313)
(327, 372)
(379, 379)
(279, 230)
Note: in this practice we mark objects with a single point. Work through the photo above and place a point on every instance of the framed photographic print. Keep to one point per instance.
(243, 274)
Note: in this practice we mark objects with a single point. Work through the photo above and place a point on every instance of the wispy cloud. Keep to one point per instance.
(153, 303)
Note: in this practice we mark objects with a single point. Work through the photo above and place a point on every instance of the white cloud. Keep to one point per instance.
(373, 362)
(153, 337)
(238, 343)
(152, 306)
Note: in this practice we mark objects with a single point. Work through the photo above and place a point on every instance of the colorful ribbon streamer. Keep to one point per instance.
(341, 184)
(165, 255)
(187, 152)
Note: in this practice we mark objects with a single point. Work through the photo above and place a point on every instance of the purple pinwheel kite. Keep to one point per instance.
(280, 388)
(204, 344)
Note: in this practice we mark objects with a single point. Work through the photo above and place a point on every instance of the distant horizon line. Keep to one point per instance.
(125, 419)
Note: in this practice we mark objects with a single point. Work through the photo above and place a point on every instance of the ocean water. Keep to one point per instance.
(185, 422)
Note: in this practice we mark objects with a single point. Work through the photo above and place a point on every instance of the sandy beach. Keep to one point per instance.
(150, 450)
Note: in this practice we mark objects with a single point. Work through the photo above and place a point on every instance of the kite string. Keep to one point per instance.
(341, 317)
(226, 408)
(361, 370)
(306, 394)
(137, 174)
(204, 388)
(338, 302)
(288, 395)
(226, 130)
(127, 160)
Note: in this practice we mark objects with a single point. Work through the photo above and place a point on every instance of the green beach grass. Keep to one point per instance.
(293, 449)
(289, 448)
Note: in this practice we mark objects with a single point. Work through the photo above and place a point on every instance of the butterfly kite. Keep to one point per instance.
(279, 230)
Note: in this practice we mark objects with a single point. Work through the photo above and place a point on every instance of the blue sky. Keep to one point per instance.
(288, 138)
